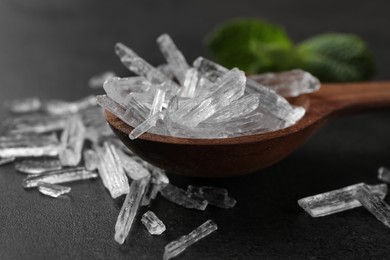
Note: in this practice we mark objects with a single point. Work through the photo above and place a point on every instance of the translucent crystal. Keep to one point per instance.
(97, 81)
(129, 209)
(237, 108)
(140, 67)
(72, 140)
(174, 57)
(180, 197)
(191, 79)
(59, 176)
(25, 105)
(38, 166)
(144, 98)
(337, 200)
(59, 107)
(118, 88)
(176, 247)
(29, 146)
(52, 190)
(374, 203)
(91, 159)
(111, 170)
(384, 174)
(36, 123)
(158, 181)
(289, 83)
(152, 223)
(215, 196)
(8, 160)
(132, 168)
(229, 88)
(131, 117)
(166, 70)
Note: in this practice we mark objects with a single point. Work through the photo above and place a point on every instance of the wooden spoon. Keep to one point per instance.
(241, 155)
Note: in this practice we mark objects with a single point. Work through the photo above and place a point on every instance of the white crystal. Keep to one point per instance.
(29, 146)
(25, 105)
(176, 247)
(384, 174)
(289, 83)
(129, 209)
(59, 107)
(52, 190)
(97, 81)
(59, 176)
(337, 200)
(38, 166)
(36, 123)
(111, 170)
(133, 169)
(180, 197)
(215, 196)
(91, 159)
(72, 140)
(152, 223)
(4, 161)
(191, 80)
(173, 56)
(374, 203)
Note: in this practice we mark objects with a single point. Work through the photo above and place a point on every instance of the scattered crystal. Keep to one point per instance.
(152, 223)
(374, 203)
(337, 200)
(215, 196)
(58, 107)
(25, 105)
(129, 209)
(59, 176)
(180, 197)
(384, 174)
(91, 160)
(38, 166)
(7, 160)
(158, 181)
(289, 83)
(36, 123)
(111, 170)
(176, 247)
(72, 140)
(52, 190)
(132, 168)
(29, 146)
(97, 81)
(174, 57)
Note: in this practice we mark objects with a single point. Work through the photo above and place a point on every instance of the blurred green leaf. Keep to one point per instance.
(251, 44)
(257, 46)
(336, 57)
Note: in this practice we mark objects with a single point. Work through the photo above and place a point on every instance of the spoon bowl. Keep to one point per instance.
(235, 156)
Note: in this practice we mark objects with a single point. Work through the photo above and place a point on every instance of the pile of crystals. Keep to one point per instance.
(56, 142)
(202, 101)
(361, 194)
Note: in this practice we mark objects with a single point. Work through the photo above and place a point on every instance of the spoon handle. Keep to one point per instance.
(342, 98)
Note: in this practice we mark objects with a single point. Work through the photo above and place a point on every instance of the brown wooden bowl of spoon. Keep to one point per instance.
(235, 156)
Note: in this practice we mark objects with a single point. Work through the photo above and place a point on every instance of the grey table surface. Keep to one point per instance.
(49, 49)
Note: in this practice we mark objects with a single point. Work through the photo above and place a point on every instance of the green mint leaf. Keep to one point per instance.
(252, 45)
(335, 57)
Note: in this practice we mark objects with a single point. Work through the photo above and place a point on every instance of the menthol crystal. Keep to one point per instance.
(373, 203)
(384, 174)
(152, 223)
(38, 166)
(215, 196)
(52, 190)
(25, 105)
(97, 81)
(337, 200)
(176, 247)
(72, 140)
(129, 209)
(59, 176)
(180, 197)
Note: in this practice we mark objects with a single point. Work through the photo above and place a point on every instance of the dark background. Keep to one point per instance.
(50, 49)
